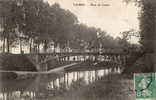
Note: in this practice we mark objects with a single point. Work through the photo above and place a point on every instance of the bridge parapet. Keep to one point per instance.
(41, 60)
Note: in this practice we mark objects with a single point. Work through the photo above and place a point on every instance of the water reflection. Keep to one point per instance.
(47, 86)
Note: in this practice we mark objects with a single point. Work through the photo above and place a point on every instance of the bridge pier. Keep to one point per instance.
(37, 62)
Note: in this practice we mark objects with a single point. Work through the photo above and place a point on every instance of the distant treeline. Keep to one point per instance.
(35, 23)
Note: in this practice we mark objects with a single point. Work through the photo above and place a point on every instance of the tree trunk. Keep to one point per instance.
(38, 48)
(3, 45)
(54, 47)
(8, 46)
(20, 46)
(30, 46)
(45, 46)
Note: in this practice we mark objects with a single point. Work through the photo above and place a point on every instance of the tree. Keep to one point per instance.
(83, 36)
(50, 23)
(147, 27)
(8, 23)
(64, 22)
(147, 23)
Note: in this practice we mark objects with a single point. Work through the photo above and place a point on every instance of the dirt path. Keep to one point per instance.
(55, 70)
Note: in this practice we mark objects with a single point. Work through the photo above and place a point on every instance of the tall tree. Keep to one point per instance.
(147, 26)
(8, 23)
(65, 21)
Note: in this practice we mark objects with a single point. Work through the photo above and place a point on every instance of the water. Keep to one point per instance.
(44, 86)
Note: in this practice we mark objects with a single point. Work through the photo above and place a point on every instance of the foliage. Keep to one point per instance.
(147, 35)
(147, 23)
(35, 23)
(147, 26)
(139, 63)
(7, 15)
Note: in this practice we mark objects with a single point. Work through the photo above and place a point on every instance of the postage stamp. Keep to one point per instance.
(145, 85)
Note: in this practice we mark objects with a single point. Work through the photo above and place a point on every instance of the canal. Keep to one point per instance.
(36, 87)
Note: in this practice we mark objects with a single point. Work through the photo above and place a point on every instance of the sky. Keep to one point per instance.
(114, 18)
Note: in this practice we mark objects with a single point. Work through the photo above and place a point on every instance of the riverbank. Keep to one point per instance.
(114, 87)
(11, 62)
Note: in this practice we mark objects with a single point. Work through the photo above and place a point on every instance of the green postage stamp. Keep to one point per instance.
(145, 85)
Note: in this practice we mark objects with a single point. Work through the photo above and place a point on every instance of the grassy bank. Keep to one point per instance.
(141, 64)
(15, 62)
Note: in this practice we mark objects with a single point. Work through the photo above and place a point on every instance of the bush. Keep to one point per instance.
(142, 65)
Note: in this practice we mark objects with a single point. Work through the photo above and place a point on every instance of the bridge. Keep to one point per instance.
(48, 61)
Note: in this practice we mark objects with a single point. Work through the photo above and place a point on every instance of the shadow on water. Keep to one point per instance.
(36, 87)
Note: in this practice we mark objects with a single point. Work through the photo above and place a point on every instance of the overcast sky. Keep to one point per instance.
(115, 18)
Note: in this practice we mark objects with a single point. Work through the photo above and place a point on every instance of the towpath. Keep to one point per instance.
(55, 70)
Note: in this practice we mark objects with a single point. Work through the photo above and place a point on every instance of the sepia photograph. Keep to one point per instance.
(77, 49)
